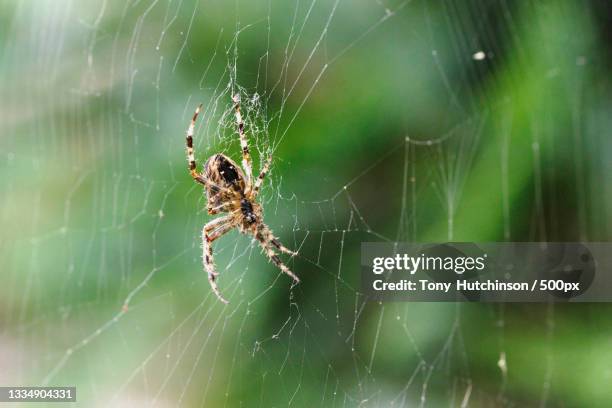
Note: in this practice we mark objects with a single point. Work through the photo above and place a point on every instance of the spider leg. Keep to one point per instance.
(211, 231)
(199, 177)
(269, 236)
(246, 154)
(217, 223)
(262, 175)
(189, 140)
(266, 245)
(222, 207)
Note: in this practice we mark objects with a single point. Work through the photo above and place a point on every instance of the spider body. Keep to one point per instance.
(231, 189)
(226, 191)
(224, 172)
(250, 212)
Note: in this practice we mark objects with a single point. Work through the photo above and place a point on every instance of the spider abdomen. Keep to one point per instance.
(225, 182)
(224, 172)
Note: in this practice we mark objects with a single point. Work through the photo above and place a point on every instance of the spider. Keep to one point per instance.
(230, 189)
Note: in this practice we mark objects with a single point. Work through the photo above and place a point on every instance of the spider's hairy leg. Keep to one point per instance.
(224, 206)
(246, 154)
(262, 175)
(217, 223)
(211, 231)
(189, 140)
(266, 232)
(266, 245)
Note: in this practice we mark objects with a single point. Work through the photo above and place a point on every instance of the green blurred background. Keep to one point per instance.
(389, 121)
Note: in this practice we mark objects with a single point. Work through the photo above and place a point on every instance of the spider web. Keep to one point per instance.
(387, 121)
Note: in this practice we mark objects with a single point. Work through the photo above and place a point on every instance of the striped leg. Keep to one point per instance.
(222, 207)
(262, 175)
(213, 230)
(246, 154)
(265, 244)
(269, 236)
(217, 223)
(190, 155)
